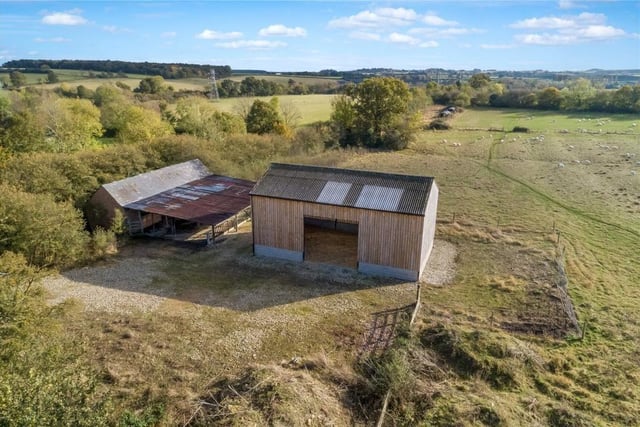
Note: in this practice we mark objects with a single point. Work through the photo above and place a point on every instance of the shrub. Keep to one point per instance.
(438, 124)
(47, 233)
(520, 129)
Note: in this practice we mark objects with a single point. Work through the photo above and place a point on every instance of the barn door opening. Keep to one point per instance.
(330, 241)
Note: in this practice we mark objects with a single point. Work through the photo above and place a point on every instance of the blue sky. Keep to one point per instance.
(299, 35)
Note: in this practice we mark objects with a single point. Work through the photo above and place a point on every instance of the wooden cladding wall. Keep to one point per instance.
(384, 238)
(278, 223)
(429, 228)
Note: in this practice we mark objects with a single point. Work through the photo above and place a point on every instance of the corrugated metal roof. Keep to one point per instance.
(209, 200)
(346, 187)
(379, 198)
(334, 193)
(141, 186)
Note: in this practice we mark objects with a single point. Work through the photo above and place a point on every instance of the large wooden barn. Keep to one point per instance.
(379, 223)
(173, 201)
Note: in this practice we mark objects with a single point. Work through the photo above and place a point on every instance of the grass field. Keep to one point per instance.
(501, 196)
(312, 108)
(79, 77)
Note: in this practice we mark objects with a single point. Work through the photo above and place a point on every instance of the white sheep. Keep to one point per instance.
(560, 164)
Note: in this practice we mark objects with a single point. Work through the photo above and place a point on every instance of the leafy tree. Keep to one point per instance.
(228, 88)
(17, 79)
(113, 103)
(343, 117)
(479, 80)
(71, 124)
(291, 114)
(378, 109)
(85, 93)
(264, 118)
(626, 99)
(44, 380)
(23, 127)
(52, 77)
(47, 233)
(138, 124)
(199, 117)
(578, 95)
(152, 85)
(550, 99)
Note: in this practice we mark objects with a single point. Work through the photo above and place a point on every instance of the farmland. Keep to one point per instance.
(312, 108)
(507, 206)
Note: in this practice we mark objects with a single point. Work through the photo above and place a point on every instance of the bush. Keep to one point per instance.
(520, 129)
(47, 233)
(438, 124)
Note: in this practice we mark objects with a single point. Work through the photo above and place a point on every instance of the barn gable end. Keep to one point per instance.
(391, 216)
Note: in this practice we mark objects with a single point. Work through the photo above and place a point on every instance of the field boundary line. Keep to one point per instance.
(545, 196)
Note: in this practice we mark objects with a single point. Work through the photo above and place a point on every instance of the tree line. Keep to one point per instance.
(576, 95)
(167, 71)
(252, 86)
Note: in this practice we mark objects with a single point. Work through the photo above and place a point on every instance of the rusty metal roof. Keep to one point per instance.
(144, 185)
(208, 200)
(346, 187)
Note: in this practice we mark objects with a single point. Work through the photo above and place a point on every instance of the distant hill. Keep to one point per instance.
(168, 71)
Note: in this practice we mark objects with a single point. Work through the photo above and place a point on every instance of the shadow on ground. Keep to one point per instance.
(147, 272)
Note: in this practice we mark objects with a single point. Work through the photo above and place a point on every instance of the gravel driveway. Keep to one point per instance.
(132, 281)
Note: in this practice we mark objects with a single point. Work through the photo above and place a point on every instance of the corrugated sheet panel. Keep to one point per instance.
(403, 193)
(209, 200)
(334, 193)
(141, 186)
(379, 198)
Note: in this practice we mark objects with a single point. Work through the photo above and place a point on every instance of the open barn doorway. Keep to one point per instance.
(331, 242)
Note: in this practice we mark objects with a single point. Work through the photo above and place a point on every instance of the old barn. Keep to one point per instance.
(379, 223)
(173, 201)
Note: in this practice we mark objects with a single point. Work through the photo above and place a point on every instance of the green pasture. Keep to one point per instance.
(515, 191)
(312, 108)
(551, 121)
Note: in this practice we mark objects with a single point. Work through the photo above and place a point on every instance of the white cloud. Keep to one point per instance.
(215, 35)
(497, 46)
(445, 32)
(403, 38)
(567, 4)
(547, 22)
(52, 40)
(436, 21)
(553, 22)
(114, 29)
(281, 30)
(71, 17)
(567, 30)
(545, 39)
(363, 35)
(599, 32)
(398, 13)
(378, 18)
(168, 34)
(429, 43)
(251, 44)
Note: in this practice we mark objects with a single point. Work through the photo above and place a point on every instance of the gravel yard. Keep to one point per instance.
(136, 280)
